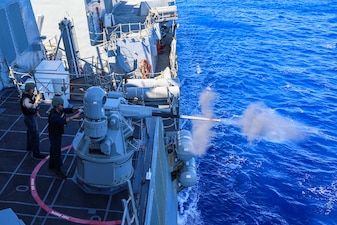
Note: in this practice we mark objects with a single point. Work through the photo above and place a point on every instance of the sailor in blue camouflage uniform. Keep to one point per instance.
(29, 108)
(56, 122)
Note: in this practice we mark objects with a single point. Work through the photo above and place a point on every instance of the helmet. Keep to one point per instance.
(29, 85)
(57, 99)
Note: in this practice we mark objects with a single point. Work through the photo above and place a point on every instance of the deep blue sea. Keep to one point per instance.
(273, 67)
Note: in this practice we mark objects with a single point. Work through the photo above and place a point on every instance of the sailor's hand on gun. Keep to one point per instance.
(77, 115)
(78, 109)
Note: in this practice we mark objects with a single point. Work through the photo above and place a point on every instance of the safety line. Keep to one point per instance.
(38, 200)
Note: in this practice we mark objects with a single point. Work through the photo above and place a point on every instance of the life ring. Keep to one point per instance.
(145, 68)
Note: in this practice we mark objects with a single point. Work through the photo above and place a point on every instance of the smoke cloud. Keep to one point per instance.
(201, 130)
(257, 122)
(260, 122)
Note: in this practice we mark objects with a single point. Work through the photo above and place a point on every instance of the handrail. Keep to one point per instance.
(120, 31)
(126, 213)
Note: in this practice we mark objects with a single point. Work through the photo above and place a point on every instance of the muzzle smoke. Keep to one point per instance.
(260, 122)
(201, 130)
(257, 122)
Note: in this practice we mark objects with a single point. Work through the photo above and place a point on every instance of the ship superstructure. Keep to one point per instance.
(127, 158)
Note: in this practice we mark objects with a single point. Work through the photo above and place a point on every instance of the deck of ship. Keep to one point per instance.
(38, 197)
(32, 190)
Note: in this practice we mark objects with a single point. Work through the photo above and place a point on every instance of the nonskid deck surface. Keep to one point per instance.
(31, 189)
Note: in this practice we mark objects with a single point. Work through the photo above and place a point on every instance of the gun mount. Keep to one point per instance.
(106, 146)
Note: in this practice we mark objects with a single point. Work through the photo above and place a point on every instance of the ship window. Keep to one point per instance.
(6, 43)
(19, 32)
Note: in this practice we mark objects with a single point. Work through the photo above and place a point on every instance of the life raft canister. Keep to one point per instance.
(145, 68)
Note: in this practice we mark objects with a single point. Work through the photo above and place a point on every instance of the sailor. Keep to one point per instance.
(29, 108)
(56, 122)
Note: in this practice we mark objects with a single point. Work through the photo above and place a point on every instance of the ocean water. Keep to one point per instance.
(269, 69)
(272, 66)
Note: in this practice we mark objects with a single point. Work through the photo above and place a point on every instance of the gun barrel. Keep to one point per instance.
(200, 118)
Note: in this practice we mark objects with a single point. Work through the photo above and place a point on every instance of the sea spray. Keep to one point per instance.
(201, 129)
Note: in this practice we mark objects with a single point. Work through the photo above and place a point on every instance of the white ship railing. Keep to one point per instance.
(121, 31)
(130, 219)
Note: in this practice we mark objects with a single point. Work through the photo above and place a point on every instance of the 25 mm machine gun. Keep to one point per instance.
(105, 148)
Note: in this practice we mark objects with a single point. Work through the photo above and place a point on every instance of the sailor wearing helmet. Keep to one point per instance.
(29, 108)
(56, 122)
